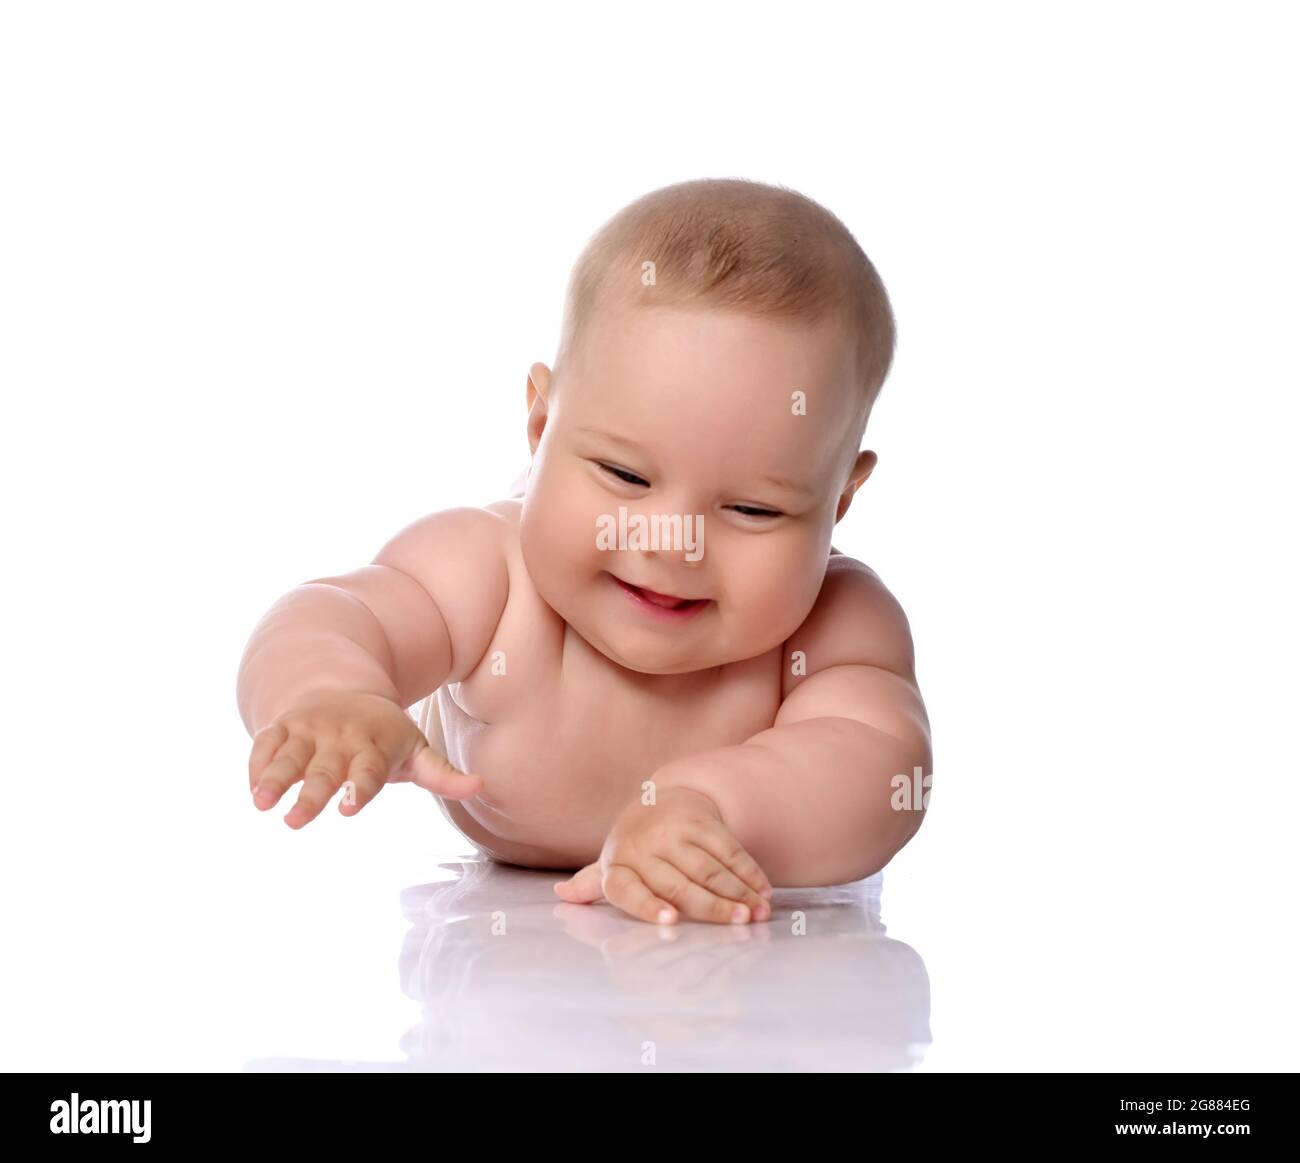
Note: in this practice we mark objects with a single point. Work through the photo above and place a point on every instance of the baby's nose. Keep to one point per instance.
(675, 536)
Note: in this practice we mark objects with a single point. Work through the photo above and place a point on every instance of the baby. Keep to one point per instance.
(652, 667)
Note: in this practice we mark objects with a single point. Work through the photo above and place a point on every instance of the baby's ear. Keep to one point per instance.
(539, 387)
(861, 470)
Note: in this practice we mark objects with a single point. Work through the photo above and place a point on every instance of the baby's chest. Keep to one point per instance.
(570, 717)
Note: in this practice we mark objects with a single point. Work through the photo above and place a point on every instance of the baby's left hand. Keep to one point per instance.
(675, 855)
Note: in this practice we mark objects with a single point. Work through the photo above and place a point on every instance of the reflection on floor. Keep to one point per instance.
(510, 978)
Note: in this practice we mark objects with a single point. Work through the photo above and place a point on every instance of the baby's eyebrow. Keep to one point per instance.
(613, 437)
(780, 482)
(788, 485)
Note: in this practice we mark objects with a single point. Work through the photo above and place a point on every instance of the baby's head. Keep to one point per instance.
(723, 344)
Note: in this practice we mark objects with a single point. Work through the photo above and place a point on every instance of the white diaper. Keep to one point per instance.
(429, 719)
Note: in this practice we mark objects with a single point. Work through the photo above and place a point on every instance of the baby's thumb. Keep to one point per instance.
(435, 773)
(582, 887)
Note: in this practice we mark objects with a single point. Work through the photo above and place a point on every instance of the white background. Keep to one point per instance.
(271, 278)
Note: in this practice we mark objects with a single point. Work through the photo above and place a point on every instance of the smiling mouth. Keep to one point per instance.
(661, 603)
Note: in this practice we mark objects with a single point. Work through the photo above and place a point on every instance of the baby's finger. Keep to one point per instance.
(367, 773)
(582, 887)
(722, 844)
(691, 899)
(707, 870)
(283, 771)
(265, 744)
(324, 775)
(435, 773)
(625, 889)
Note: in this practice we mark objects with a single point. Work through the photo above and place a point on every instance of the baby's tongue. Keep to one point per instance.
(662, 600)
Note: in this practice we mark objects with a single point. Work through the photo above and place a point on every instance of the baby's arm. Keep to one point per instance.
(814, 799)
(385, 635)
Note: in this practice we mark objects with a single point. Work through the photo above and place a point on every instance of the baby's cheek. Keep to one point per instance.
(561, 534)
(762, 609)
(772, 594)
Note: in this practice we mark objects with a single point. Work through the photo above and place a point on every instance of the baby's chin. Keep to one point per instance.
(632, 652)
(646, 662)
(644, 658)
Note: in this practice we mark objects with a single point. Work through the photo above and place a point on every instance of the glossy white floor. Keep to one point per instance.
(506, 979)
(167, 925)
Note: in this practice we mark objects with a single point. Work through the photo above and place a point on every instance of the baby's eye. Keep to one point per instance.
(751, 511)
(624, 475)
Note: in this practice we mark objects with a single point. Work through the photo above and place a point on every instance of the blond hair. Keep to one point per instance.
(742, 245)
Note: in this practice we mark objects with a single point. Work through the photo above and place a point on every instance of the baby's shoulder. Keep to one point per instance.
(508, 511)
(429, 543)
(506, 516)
(854, 621)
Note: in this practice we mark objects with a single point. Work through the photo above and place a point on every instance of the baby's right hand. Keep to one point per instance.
(328, 737)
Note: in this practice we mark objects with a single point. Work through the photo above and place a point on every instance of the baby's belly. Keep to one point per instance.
(467, 819)
(543, 801)
(552, 789)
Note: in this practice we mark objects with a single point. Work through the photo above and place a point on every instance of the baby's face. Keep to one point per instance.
(694, 416)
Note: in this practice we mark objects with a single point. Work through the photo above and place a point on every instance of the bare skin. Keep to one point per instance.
(682, 760)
